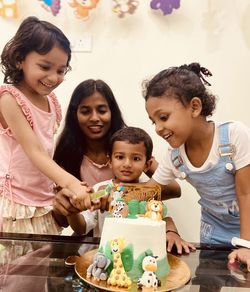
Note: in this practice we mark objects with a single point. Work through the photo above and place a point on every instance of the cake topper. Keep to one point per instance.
(128, 200)
(149, 278)
(154, 210)
(120, 210)
(118, 276)
(98, 268)
(116, 194)
(138, 191)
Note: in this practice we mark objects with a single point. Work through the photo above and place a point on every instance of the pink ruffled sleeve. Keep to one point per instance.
(57, 108)
(20, 100)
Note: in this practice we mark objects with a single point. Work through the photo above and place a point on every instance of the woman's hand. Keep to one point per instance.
(80, 196)
(62, 204)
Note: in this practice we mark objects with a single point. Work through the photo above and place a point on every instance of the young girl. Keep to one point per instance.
(34, 63)
(213, 157)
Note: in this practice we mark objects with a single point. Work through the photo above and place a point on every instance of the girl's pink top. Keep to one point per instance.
(20, 181)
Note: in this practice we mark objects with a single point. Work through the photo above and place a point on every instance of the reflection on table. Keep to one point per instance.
(36, 263)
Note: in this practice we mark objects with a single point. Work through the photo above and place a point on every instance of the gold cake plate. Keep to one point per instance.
(178, 276)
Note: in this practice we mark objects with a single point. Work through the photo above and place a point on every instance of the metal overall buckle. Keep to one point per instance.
(227, 150)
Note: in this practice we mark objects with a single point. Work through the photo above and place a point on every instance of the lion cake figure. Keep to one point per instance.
(154, 210)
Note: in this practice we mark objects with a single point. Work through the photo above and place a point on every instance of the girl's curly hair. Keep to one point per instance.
(184, 83)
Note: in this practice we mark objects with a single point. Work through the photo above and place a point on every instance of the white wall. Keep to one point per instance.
(215, 33)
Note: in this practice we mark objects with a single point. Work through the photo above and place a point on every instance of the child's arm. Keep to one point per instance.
(242, 185)
(174, 239)
(12, 116)
(62, 207)
(83, 222)
(170, 191)
(77, 223)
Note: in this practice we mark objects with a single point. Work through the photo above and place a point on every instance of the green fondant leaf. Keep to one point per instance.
(110, 268)
(108, 253)
(163, 267)
(165, 210)
(127, 256)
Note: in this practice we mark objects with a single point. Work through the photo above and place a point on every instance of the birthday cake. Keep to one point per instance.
(133, 241)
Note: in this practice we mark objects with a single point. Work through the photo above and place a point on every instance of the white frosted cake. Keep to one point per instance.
(133, 241)
(143, 237)
(142, 233)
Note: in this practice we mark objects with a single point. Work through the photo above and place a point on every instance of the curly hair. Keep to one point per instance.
(183, 83)
(32, 35)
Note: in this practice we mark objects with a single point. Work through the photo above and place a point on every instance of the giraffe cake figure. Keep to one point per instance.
(134, 238)
(118, 276)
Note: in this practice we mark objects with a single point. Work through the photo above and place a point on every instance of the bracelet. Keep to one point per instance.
(173, 232)
(238, 242)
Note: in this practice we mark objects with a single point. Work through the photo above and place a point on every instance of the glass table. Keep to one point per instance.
(37, 263)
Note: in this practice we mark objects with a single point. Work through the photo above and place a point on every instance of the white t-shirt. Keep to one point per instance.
(239, 136)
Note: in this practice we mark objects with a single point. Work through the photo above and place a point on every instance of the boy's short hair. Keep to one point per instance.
(132, 135)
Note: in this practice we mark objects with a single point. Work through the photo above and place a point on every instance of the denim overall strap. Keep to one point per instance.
(225, 148)
(179, 163)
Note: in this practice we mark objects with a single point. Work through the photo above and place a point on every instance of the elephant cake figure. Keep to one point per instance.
(98, 268)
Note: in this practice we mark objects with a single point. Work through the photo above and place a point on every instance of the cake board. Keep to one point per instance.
(178, 276)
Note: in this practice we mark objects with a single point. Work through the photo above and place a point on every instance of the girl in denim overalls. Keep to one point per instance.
(214, 158)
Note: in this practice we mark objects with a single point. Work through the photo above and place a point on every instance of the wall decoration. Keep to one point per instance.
(52, 5)
(8, 8)
(123, 7)
(166, 6)
(83, 7)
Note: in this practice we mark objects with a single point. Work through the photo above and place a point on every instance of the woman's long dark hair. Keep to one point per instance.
(71, 145)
